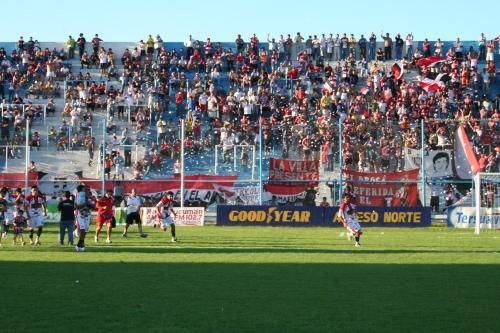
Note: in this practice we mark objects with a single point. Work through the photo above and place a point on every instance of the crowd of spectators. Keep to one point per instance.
(297, 88)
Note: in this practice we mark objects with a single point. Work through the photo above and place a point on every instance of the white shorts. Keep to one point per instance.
(9, 215)
(489, 56)
(83, 222)
(166, 221)
(35, 220)
(353, 226)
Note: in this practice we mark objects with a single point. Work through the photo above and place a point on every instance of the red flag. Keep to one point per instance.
(397, 70)
(432, 85)
(430, 61)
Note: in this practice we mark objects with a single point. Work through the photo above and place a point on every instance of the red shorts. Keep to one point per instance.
(99, 222)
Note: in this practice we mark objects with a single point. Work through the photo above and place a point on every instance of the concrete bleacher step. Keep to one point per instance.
(57, 162)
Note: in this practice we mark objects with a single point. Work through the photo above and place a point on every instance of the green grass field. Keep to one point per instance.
(256, 279)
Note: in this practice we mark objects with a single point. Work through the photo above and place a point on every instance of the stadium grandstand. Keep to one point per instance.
(285, 120)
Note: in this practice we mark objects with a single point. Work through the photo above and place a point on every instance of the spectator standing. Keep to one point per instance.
(409, 46)
(150, 46)
(158, 45)
(126, 143)
(189, 46)
(96, 42)
(81, 41)
(240, 44)
(399, 47)
(70, 45)
(387, 46)
(362, 47)
(482, 47)
(373, 46)
(119, 163)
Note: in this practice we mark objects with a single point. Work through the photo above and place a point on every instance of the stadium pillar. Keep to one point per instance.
(260, 161)
(422, 162)
(477, 197)
(103, 154)
(27, 156)
(183, 124)
(341, 161)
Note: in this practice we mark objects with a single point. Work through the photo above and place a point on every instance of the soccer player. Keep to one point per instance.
(8, 213)
(166, 214)
(35, 206)
(18, 222)
(105, 215)
(83, 205)
(347, 216)
(3, 211)
(133, 204)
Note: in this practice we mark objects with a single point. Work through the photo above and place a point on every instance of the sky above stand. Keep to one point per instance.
(222, 20)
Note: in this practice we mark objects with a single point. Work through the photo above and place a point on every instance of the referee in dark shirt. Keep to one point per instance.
(67, 209)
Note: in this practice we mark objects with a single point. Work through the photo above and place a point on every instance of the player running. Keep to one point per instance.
(347, 215)
(166, 214)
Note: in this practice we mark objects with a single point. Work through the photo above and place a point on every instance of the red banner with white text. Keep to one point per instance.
(383, 189)
(293, 171)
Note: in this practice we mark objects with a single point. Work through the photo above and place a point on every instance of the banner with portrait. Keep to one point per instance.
(437, 162)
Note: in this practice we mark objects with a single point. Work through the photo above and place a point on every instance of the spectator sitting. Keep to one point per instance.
(51, 106)
(76, 142)
(52, 134)
(157, 161)
(112, 73)
(110, 126)
(32, 167)
(35, 141)
(62, 143)
(138, 170)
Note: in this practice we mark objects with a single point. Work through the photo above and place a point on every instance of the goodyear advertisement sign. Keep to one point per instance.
(319, 216)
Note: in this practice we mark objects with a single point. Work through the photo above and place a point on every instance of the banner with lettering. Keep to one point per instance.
(186, 216)
(371, 188)
(321, 216)
(465, 217)
(290, 171)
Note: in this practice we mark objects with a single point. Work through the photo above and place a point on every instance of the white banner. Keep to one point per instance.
(250, 195)
(465, 217)
(185, 216)
(437, 162)
(189, 216)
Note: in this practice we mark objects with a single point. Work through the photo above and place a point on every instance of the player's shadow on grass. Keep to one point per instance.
(172, 249)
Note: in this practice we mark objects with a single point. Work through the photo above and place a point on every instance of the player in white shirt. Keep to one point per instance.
(134, 204)
(347, 215)
(35, 208)
(84, 203)
(166, 214)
